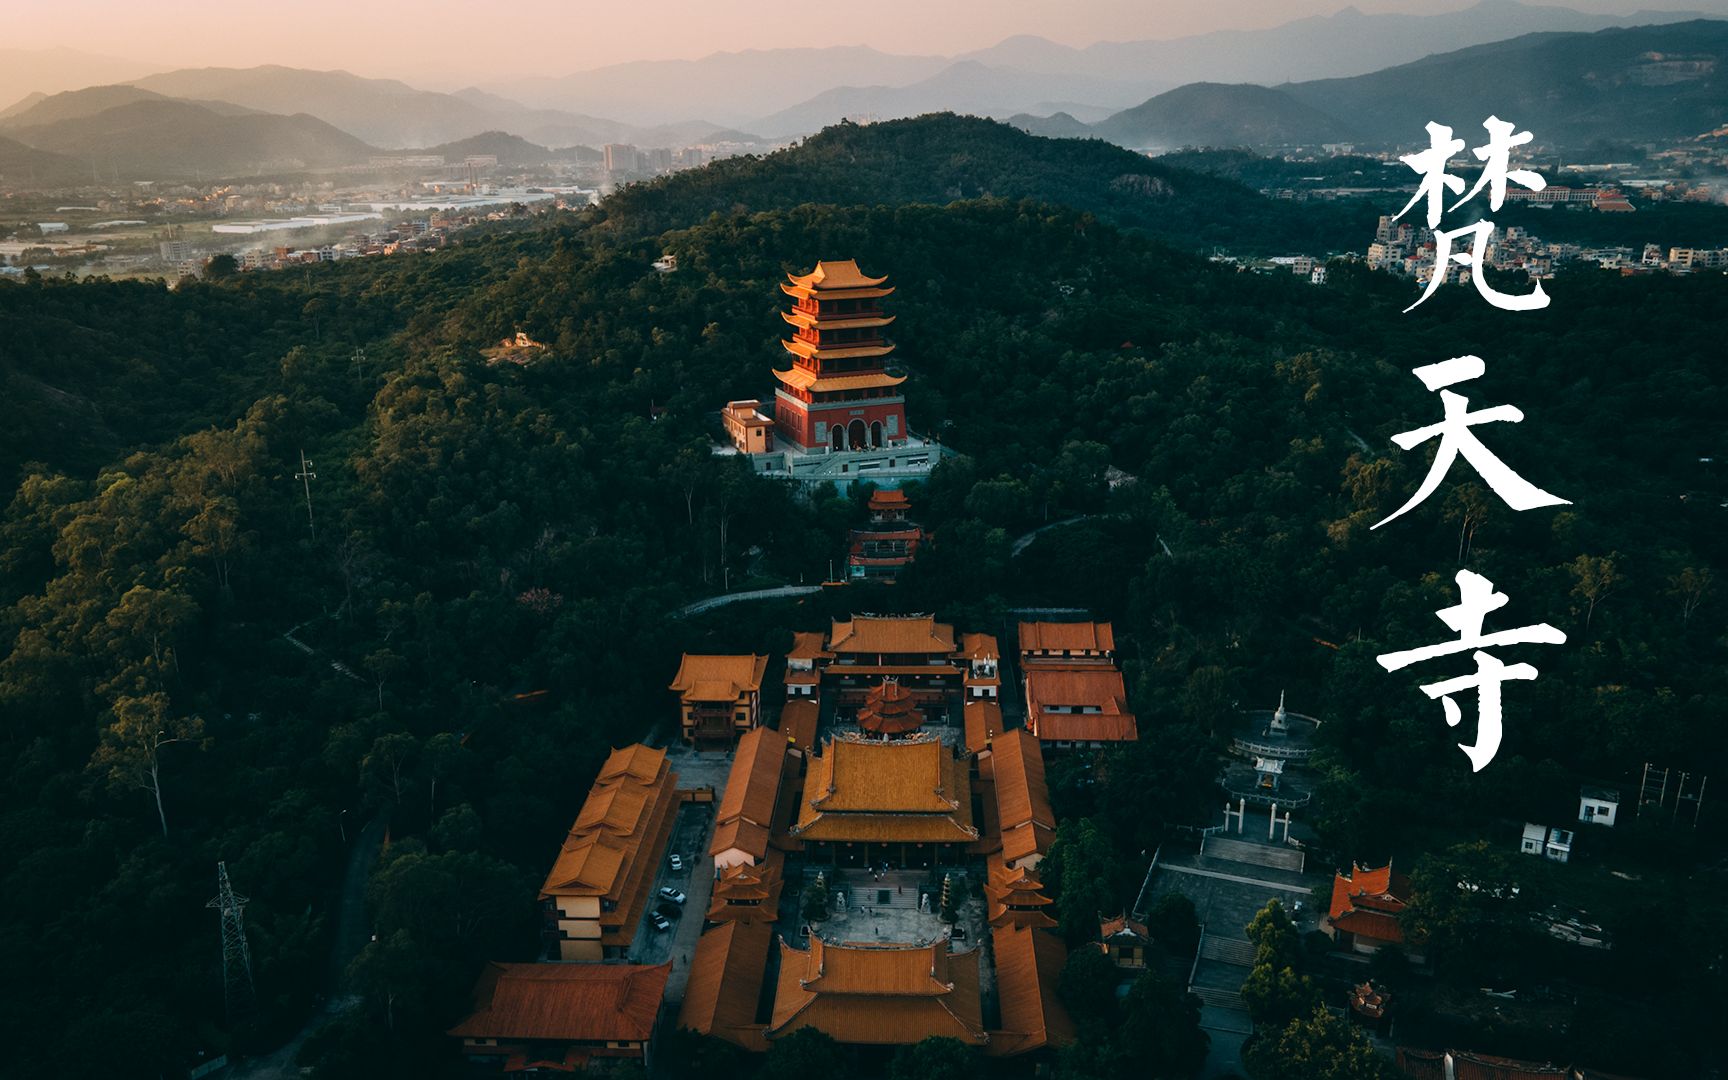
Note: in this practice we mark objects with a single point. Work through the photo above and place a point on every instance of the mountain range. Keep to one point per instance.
(795, 91)
(1660, 79)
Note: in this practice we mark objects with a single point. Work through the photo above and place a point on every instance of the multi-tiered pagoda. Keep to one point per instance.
(839, 393)
(838, 414)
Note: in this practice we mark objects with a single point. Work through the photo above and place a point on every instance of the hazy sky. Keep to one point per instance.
(438, 43)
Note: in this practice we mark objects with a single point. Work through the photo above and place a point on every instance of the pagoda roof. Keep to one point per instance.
(800, 347)
(835, 274)
(804, 292)
(1015, 896)
(566, 1002)
(718, 678)
(746, 892)
(838, 322)
(891, 635)
(879, 994)
(800, 379)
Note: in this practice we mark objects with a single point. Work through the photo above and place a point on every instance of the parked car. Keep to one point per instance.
(672, 894)
(670, 911)
(660, 921)
(677, 861)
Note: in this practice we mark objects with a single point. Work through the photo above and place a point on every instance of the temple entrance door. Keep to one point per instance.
(839, 434)
(876, 434)
(855, 434)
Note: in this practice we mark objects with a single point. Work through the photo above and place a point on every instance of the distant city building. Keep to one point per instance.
(621, 158)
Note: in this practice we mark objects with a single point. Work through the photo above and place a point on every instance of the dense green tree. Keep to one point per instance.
(936, 1058)
(1318, 1046)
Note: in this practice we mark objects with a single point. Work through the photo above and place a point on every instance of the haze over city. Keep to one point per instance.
(465, 44)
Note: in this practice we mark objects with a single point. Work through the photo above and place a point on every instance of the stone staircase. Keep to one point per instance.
(1242, 851)
(1228, 950)
(1221, 999)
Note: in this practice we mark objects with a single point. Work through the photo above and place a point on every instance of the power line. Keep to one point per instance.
(237, 992)
(306, 476)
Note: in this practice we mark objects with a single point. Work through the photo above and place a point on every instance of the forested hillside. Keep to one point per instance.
(484, 531)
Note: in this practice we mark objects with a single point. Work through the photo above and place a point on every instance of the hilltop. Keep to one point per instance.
(1570, 89)
(1214, 114)
(149, 138)
(941, 158)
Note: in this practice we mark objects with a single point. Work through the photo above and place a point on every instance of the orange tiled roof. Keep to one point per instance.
(910, 776)
(753, 783)
(1101, 688)
(1015, 896)
(748, 892)
(718, 678)
(1366, 902)
(616, 839)
(807, 645)
(839, 322)
(892, 635)
(632, 789)
(1067, 637)
(879, 994)
(1022, 797)
(835, 274)
(1122, 925)
(805, 379)
(725, 984)
(913, 790)
(575, 1002)
(978, 646)
(1028, 964)
(889, 499)
(798, 719)
(983, 722)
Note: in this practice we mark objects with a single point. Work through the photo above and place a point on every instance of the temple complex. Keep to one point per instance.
(839, 413)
